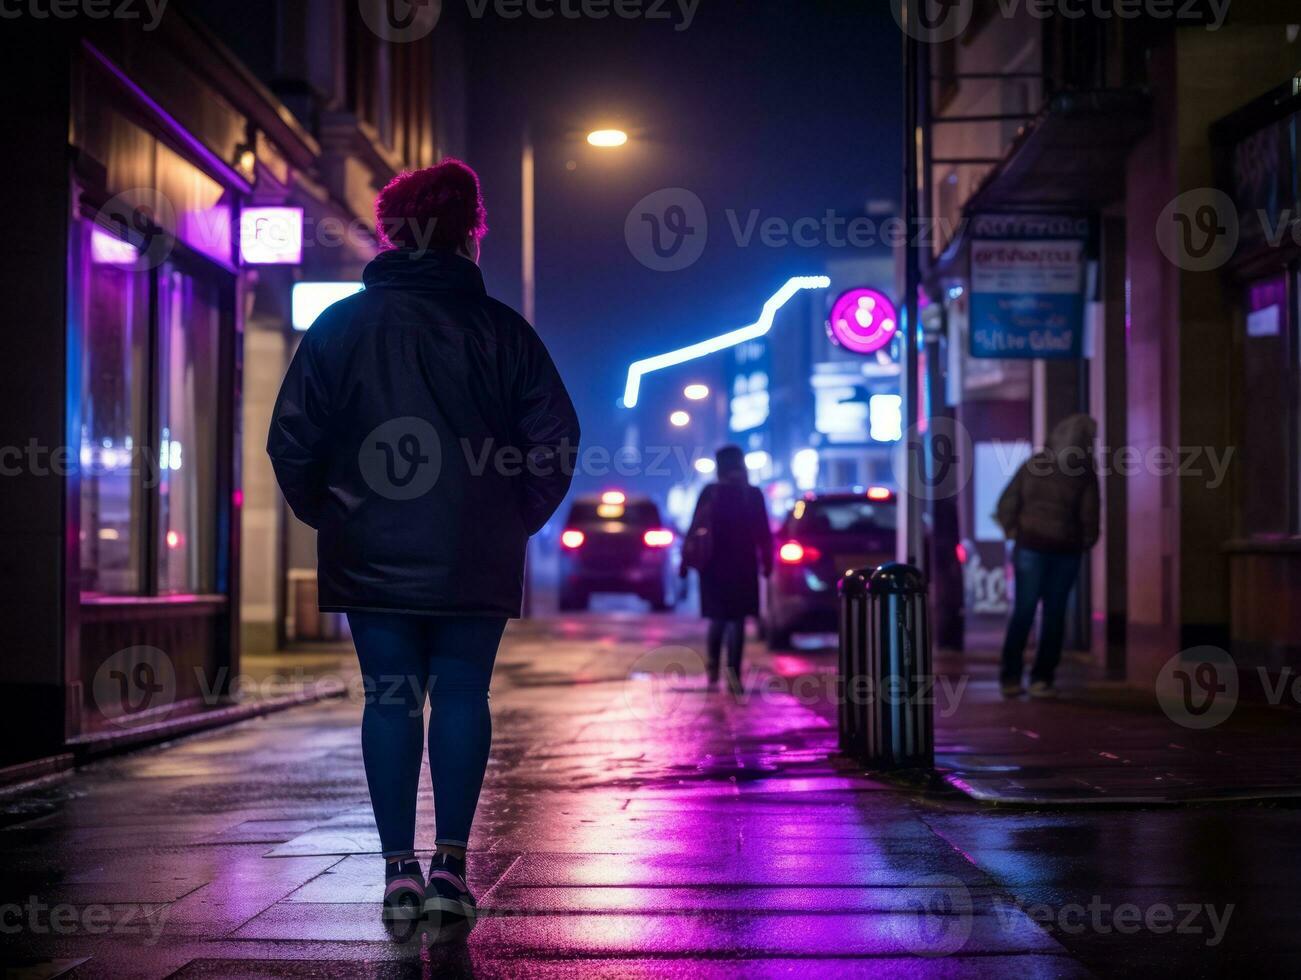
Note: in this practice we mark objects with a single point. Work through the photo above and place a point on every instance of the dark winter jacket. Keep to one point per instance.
(1052, 502)
(422, 429)
(737, 520)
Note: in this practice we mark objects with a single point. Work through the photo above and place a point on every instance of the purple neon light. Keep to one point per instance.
(862, 320)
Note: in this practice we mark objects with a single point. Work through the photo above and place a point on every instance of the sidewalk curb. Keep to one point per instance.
(90, 748)
(992, 800)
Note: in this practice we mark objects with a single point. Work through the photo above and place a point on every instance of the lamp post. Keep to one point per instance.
(604, 138)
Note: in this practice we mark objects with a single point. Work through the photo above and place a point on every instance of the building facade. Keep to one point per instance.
(1089, 172)
(143, 534)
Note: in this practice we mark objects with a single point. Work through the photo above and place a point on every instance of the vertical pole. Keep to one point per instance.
(528, 283)
(528, 286)
(908, 544)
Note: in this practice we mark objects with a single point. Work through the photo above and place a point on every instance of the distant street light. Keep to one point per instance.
(696, 392)
(607, 137)
(679, 418)
(528, 252)
(705, 466)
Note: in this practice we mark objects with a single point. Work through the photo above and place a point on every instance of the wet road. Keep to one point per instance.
(631, 825)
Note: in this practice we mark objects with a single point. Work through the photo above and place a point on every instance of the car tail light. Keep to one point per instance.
(657, 537)
(794, 553)
(960, 550)
(572, 538)
(879, 493)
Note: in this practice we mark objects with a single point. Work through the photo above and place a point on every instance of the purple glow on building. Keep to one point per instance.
(862, 320)
(208, 231)
(108, 249)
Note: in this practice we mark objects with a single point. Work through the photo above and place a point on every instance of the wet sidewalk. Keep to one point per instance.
(631, 825)
(1104, 743)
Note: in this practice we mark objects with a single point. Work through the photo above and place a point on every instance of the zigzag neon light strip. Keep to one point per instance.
(639, 369)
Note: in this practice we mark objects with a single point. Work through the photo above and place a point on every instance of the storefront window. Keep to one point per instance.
(1267, 424)
(114, 345)
(189, 319)
(150, 379)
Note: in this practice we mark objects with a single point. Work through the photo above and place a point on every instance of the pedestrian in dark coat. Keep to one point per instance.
(423, 430)
(1050, 510)
(734, 517)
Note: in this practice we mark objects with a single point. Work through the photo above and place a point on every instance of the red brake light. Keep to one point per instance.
(572, 538)
(794, 553)
(657, 537)
(960, 550)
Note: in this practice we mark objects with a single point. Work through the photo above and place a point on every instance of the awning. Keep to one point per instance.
(1069, 160)
(1071, 156)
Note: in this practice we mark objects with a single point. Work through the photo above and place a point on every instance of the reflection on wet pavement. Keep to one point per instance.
(632, 825)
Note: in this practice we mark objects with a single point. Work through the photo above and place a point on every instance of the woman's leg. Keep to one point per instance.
(735, 648)
(1059, 578)
(714, 646)
(1028, 566)
(392, 651)
(461, 656)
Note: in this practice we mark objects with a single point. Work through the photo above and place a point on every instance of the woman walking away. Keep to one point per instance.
(731, 516)
(395, 407)
(1050, 510)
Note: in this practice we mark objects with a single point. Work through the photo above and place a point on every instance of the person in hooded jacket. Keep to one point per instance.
(1050, 511)
(424, 432)
(733, 516)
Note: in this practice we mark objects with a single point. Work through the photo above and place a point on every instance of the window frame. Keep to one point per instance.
(145, 540)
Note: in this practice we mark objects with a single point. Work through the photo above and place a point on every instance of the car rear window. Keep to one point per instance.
(643, 513)
(846, 516)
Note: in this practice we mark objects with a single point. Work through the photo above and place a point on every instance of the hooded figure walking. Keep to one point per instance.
(732, 517)
(423, 430)
(1050, 511)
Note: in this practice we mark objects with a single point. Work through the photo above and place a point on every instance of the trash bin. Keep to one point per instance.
(887, 690)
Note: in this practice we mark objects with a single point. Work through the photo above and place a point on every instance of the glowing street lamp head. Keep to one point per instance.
(679, 419)
(607, 138)
(696, 392)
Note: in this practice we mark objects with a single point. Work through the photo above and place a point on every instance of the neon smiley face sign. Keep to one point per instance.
(862, 320)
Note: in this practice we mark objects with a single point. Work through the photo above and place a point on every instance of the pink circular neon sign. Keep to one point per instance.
(862, 320)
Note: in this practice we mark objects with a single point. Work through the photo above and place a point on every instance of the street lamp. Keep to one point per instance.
(528, 252)
(695, 392)
(679, 419)
(603, 138)
(607, 137)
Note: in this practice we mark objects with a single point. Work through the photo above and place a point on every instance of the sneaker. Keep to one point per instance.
(1011, 689)
(1042, 689)
(404, 897)
(448, 900)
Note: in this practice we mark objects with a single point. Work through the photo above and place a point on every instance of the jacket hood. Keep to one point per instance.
(1073, 432)
(422, 269)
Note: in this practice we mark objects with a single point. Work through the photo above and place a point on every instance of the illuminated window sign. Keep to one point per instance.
(310, 299)
(749, 404)
(862, 320)
(271, 236)
(885, 418)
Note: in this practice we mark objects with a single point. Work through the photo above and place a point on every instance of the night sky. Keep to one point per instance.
(791, 108)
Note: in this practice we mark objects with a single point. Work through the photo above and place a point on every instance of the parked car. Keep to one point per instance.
(825, 534)
(616, 542)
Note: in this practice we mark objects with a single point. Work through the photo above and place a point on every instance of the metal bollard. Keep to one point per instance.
(886, 711)
(853, 662)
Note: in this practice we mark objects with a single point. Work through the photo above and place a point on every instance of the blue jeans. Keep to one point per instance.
(1047, 577)
(404, 659)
